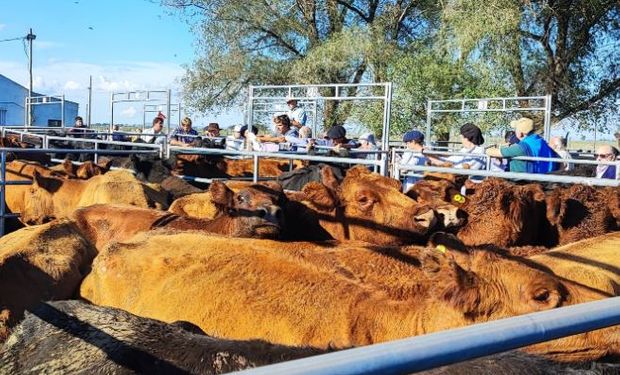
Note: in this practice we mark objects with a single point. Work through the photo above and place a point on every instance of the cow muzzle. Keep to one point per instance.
(426, 220)
(451, 216)
(272, 214)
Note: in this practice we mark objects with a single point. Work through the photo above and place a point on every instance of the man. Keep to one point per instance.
(606, 153)
(212, 130)
(235, 141)
(117, 135)
(79, 129)
(285, 132)
(297, 115)
(154, 134)
(414, 141)
(558, 144)
(530, 144)
(472, 140)
(212, 137)
(184, 135)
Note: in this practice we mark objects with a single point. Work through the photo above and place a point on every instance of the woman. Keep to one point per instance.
(471, 139)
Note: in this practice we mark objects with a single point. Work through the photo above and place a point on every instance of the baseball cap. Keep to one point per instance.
(237, 128)
(413, 135)
(337, 131)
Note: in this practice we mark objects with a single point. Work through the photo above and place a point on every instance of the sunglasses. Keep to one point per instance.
(602, 155)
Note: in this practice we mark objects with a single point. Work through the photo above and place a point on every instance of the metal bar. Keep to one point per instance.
(429, 112)
(168, 111)
(456, 345)
(487, 110)
(79, 151)
(281, 98)
(547, 125)
(62, 112)
(255, 167)
(490, 99)
(2, 190)
(270, 87)
(516, 175)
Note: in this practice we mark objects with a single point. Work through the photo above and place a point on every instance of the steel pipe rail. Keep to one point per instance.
(516, 175)
(456, 345)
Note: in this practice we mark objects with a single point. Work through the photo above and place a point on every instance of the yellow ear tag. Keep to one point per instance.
(441, 249)
(458, 198)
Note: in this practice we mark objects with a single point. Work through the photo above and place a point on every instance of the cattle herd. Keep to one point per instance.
(134, 270)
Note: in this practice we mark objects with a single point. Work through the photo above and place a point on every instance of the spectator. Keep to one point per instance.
(368, 142)
(297, 115)
(414, 141)
(305, 132)
(511, 138)
(471, 139)
(117, 135)
(606, 153)
(530, 144)
(184, 135)
(235, 142)
(154, 134)
(285, 132)
(558, 144)
(212, 130)
(212, 137)
(79, 129)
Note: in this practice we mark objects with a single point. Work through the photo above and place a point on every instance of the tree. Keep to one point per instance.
(564, 48)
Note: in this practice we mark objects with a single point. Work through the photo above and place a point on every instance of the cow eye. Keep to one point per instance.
(542, 295)
(242, 198)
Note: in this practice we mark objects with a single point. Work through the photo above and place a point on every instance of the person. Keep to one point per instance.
(472, 140)
(154, 134)
(296, 114)
(235, 141)
(367, 142)
(337, 139)
(286, 133)
(212, 130)
(117, 135)
(530, 144)
(606, 153)
(414, 141)
(79, 129)
(212, 137)
(558, 144)
(184, 135)
(305, 132)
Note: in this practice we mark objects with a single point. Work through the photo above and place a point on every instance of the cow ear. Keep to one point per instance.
(613, 195)
(320, 196)
(329, 179)
(221, 195)
(50, 184)
(460, 288)
(273, 185)
(555, 208)
(358, 171)
(534, 192)
(67, 165)
(105, 164)
(450, 246)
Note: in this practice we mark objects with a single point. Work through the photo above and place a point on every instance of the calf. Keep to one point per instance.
(254, 211)
(72, 336)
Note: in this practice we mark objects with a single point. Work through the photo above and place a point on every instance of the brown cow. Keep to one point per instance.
(52, 197)
(75, 337)
(214, 166)
(444, 198)
(244, 288)
(13, 141)
(251, 212)
(504, 214)
(39, 264)
(579, 212)
(365, 206)
(83, 171)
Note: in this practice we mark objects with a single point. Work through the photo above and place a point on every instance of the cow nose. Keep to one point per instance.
(426, 220)
(271, 213)
(451, 216)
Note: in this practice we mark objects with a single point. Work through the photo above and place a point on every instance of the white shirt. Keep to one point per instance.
(298, 114)
(148, 138)
(234, 144)
(411, 158)
(459, 161)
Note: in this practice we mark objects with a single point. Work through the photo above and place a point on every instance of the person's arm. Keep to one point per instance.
(270, 138)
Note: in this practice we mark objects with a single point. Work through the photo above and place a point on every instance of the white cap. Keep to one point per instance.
(237, 128)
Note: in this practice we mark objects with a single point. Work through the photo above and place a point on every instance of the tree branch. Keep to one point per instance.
(354, 10)
(605, 91)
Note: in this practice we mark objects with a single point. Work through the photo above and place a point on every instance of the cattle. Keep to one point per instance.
(38, 264)
(504, 214)
(254, 211)
(72, 336)
(14, 142)
(593, 262)
(52, 197)
(200, 205)
(249, 289)
(82, 171)
(266, 167)
(579, 212)
(444, 197)
(365, 206)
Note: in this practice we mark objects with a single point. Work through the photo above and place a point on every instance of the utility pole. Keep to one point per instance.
(90, 98)
(30, 37)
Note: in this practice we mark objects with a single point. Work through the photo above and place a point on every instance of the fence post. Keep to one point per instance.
(255, 177)
(2, 190)
(96, 152)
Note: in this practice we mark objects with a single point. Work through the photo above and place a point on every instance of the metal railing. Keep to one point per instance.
(456, 345)
(567, 179)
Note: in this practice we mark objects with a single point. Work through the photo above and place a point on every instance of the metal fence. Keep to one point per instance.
(455, 345)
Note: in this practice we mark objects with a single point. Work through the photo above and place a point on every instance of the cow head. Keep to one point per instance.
(369, 207)
(255, 209)
(503, 214)
(87, 169)
(579, 212)
(444, 198)
(39, 199)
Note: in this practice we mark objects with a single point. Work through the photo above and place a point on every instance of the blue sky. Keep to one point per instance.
(124, 45)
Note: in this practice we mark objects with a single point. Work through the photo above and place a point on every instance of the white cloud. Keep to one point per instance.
(129, 112)
(72, 85)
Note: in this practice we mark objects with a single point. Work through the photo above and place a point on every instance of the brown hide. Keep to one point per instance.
(365, 206)
(581, 212)
(200, 205)
(266, 167)
(210, 166)
(502, 214)
(82, 171)
(444, 198)
(251, 212)
(244, 288)
(39, 264)
(51, 197)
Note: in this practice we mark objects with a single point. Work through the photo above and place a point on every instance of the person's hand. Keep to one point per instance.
(338, 148)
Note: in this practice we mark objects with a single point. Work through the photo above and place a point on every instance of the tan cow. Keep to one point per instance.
(52, 197)
(243, 289)
(254, 211)
(40, 263)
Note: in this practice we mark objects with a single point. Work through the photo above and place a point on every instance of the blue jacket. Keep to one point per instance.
(535, 145)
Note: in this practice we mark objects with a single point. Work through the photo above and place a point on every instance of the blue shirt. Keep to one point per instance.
(177, 134)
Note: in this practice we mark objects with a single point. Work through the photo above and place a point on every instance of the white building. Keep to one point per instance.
(49, 113)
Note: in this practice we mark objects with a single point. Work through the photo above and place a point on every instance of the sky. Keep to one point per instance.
(125, 45)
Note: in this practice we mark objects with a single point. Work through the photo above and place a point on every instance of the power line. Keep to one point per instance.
(12, 39)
